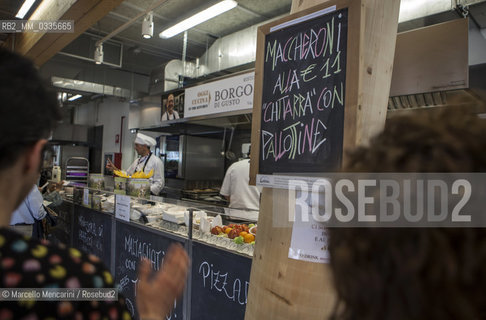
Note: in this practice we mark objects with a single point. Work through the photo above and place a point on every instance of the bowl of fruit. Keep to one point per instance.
(239, 233)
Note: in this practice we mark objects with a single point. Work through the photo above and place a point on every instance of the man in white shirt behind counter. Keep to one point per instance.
(146, 162)
(236, 188)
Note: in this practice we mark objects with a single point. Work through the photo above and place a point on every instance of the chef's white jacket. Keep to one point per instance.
(157, 180)
(236, 185)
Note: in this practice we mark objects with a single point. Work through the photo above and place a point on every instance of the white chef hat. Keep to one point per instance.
(144, 139)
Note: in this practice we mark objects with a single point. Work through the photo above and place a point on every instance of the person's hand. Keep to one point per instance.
(110, 165)
(157, 292)
(51, 186)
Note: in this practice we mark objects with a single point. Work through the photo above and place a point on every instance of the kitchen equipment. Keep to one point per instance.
(193, 158)
(198, 194)
(77, 170)
(229, 154)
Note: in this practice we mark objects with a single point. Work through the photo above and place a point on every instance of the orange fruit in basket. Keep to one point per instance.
(227, 230)
(243, 233)
(249, 238)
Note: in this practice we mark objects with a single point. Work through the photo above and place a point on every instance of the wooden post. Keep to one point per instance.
(283, 288)
(41, 46)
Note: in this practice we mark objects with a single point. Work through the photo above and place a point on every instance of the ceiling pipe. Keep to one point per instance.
(130, 22)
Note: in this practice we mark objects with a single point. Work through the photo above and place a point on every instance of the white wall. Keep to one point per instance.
(146, 114)
(85, 114)
(108, 113)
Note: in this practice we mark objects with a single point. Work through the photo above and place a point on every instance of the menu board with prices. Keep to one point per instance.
(303, 94)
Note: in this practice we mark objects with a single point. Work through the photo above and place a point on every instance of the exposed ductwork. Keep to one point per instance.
(166, 77)
(239, 48)
(95, 88)
(236, 49)
(431, 63)
(233, 50)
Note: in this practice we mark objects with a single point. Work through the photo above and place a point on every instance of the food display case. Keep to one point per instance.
(219, 241)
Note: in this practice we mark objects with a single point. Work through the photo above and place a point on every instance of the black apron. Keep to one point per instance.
(145, 163)
(143, 170)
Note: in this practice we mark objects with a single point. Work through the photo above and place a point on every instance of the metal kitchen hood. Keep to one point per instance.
(431, 70)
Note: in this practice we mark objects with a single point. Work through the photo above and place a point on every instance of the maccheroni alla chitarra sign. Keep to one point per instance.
(302, 115)
(230, 94)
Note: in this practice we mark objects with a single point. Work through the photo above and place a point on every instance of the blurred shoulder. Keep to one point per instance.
(60, 266)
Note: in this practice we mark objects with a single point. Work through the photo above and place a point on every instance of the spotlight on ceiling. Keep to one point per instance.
(148, 25)
(98, 54)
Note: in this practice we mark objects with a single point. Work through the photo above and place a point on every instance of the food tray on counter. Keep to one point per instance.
(198, 194)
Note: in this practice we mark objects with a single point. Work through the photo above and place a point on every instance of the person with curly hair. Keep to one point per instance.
(414, 273)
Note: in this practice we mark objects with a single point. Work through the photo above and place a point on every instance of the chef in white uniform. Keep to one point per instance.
(236, 188)
(146, 162)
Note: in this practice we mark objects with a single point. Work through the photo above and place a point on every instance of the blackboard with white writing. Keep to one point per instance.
(220, 281)
(304, 75)
(92, 233)
(132, 243)
(61, 232)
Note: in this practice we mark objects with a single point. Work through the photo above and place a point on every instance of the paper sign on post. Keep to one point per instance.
(122, 208)
(309, 237)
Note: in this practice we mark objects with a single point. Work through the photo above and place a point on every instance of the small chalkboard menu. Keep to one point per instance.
(133, 243)
(220, 283)
(61, 232)
(92, 233)
(303, 94)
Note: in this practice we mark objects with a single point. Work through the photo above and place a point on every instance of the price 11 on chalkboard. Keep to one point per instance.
(303, 93)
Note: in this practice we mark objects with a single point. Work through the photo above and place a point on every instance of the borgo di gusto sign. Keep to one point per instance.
(230, 94)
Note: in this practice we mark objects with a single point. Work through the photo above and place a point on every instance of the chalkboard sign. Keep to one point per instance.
(220, 283)
(132, 243)
(92, 233)
(61, 233)
(303, 94)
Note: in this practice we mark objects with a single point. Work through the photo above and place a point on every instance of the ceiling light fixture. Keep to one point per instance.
(148, 25)
(76, 97)
(198, 18)
(24, 9)
(98, 54)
